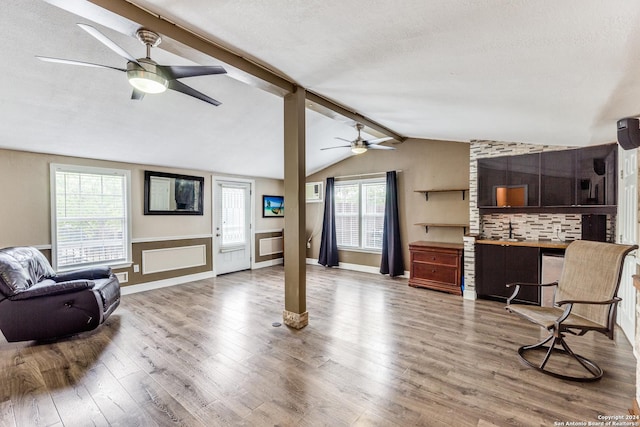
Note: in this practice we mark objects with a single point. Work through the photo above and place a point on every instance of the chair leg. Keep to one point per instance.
(595, 372)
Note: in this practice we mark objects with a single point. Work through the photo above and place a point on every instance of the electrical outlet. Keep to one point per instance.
(136, 268)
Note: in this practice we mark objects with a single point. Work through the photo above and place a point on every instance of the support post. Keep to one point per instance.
(295, 276)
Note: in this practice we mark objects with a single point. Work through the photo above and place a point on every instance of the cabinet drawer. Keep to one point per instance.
(434, 257)
(436, 273)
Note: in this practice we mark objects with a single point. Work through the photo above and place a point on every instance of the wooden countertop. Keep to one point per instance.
(437, 245)
(548, 244)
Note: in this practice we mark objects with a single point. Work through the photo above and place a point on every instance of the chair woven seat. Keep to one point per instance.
(547, 316)
(585, 300)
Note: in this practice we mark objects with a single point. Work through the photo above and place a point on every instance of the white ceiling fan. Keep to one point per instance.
(144, 74)
(360, 145)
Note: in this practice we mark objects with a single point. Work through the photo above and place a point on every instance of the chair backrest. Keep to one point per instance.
(592, 272)
(21, 268)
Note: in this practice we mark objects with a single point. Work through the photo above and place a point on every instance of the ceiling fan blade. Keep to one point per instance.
(181, 87)
(342, 139)
(108, 43)
(380, 147)
(378, 140)
(72, 62)
(137, 95)
(180, 71)
(339, 146)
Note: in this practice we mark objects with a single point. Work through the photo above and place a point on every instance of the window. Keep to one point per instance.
(233, 216)
(90, 216)
(360, 214)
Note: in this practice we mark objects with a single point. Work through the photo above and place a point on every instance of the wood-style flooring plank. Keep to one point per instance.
(376, 352)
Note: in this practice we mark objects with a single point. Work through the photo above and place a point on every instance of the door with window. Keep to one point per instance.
(232, 225)
(627, 234)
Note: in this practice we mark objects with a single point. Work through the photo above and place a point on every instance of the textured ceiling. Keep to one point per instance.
(543, 72)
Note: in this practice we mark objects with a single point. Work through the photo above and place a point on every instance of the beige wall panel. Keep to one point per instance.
(425, 164)
(269, 235)
(360, 258)
(158, 226)
(168, 259)
(271, 245)
(269, 187)
(138, 249)
(24, 212)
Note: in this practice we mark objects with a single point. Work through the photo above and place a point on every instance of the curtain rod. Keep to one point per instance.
(363, 174)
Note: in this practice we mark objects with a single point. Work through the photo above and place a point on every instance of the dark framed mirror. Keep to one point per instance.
(172, 194)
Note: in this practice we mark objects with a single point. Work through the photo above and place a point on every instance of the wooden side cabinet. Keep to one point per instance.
(436, 266)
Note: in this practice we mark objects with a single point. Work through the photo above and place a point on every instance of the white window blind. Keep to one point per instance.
(233, 216)
(347, 215)
(373, 197)
(90, 209)
(360, 214)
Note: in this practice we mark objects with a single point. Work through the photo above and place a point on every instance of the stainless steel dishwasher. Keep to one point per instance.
(551, 269)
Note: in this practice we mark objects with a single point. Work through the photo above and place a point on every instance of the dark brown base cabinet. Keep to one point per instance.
(497, 265)
(436, 266)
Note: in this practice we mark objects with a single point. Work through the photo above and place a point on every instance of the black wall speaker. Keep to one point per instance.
(629, 133)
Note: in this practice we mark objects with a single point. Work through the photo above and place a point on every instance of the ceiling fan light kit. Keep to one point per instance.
(358, 150)
(360, 145)
(147, 78)
(144, 74)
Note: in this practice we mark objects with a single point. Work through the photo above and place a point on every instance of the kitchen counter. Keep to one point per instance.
(548, 244)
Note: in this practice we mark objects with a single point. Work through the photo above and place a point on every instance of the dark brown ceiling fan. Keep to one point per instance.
(360, 145)
(144, 74)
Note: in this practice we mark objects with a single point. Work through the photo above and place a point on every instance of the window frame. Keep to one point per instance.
(126, 261)
(361, 213)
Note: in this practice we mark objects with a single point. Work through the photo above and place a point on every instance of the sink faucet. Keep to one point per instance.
(510, 230)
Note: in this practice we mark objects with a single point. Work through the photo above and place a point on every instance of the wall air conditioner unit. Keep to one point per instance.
(314, 193)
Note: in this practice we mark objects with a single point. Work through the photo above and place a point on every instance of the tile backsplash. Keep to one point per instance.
(554, 227)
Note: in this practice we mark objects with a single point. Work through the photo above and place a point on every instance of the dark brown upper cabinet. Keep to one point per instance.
(510, 181)
(492, 173)
(577, 180)
(558, 178)
(597, 177)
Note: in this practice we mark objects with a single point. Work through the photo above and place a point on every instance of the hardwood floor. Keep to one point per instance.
(376, 352)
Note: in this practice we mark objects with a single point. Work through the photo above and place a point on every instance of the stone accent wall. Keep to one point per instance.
(526, 226)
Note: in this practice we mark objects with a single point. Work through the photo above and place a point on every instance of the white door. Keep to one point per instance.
(627, 233)
(232, 225)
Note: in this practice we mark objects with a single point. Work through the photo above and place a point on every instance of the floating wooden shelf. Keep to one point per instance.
(448, 190)
(426, 225)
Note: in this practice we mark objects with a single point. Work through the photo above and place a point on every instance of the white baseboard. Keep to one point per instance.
(268, 263)
(142, 287)
(470, 294)
(356, 267)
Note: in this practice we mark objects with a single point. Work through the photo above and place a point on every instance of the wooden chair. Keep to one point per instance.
(585, 300)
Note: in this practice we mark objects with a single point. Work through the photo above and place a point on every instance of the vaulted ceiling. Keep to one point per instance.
(542, 72)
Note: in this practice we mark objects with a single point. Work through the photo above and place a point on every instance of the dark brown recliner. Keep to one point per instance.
(38, 304)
